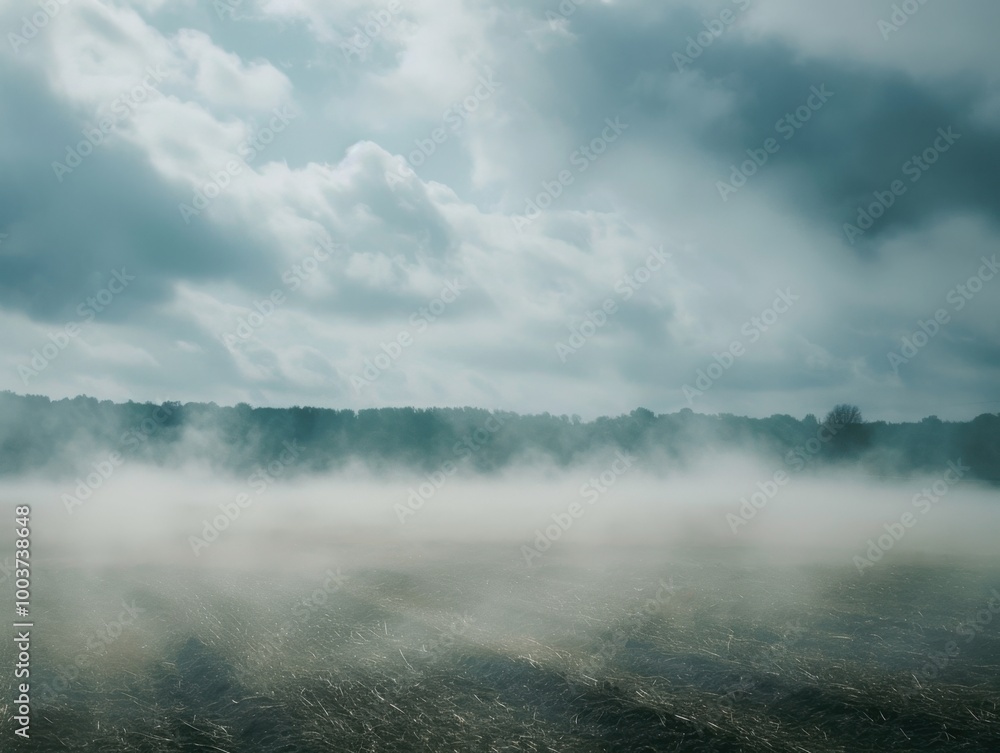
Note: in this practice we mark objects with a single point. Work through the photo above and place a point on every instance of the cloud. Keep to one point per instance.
(224, 80)
(289, 125)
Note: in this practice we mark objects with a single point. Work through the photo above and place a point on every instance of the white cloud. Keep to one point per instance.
(222, 79)
(326, 176)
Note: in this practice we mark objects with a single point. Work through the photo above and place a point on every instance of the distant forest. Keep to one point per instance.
(65, 437)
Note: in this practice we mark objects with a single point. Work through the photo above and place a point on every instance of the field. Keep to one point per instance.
(462, 648)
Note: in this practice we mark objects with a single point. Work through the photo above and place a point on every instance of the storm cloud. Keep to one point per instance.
(417, 203)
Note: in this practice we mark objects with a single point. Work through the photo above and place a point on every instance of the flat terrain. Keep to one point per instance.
(467, 649)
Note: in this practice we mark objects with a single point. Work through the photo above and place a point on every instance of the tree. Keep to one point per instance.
(844, 415)
(850, 435)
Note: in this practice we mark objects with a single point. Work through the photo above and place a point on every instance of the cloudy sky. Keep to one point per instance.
(746, 206)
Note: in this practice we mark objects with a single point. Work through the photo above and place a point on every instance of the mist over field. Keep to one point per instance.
(155, 514)
(154, 476)
(579, 376)
(811, 595)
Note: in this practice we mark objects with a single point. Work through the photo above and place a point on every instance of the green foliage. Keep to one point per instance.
(63, 437)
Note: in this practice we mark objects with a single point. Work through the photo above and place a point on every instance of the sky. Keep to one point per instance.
(741, 206)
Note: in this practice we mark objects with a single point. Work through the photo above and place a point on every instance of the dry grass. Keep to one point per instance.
(736, 658)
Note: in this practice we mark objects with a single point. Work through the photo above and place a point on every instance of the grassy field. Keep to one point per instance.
(467, 649)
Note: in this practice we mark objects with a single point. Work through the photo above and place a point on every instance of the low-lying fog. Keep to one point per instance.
(563, 609)
(192, 517)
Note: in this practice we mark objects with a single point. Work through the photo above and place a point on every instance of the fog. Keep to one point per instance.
(148, 514)
(640, 605)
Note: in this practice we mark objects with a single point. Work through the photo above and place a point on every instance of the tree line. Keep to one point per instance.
(60, 437)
